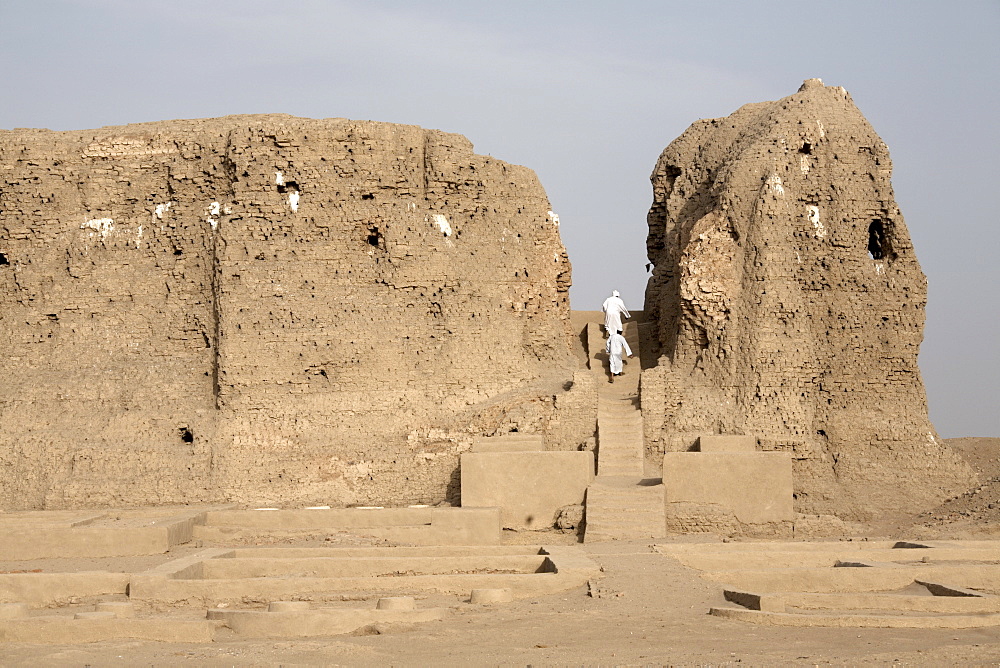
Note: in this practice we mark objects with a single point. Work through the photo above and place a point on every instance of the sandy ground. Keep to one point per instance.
(647, 610)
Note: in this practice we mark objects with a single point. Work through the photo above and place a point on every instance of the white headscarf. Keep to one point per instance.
(614, 293)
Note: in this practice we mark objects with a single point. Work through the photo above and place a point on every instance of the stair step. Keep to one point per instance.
(608, 538)
(605, 501)
(622, 528)
(642, 514)
(618, 462)
(611, 462)
(625, 494)
(620, 456)
(644, 519)
(631, 467)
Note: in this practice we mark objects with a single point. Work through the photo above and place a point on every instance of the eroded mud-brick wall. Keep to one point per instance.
(790, 304)
(268, 308)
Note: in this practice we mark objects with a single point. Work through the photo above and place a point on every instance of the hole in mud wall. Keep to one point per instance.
(374, 237)
(368, 196)
(879, 247)
(672, 173)
(3, 260)
(186, 435)
(806, 148)
(288, 186)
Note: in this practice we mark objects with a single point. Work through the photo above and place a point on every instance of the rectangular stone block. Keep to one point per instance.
(755, 486)
(727, 443)
(528, 487)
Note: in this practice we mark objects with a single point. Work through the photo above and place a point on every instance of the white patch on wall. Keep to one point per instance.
(879, 268)
(212, 213)
(804, 164)
(138, 236)
(554, 217)
(102, 226)
(813, 212)
(293, 200)
(442, 224)
(775, 182)
(555, 258)
(930, 437)
(822, 132)
(411, 206)
(161, 209)
(279, 179)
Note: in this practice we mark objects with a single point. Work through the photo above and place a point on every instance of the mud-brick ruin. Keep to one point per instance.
(269, 308)
(789, 305)
(269, 377)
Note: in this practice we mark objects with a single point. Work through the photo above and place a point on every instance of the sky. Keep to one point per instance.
(585, 93)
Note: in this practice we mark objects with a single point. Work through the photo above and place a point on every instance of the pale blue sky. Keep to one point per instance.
(585, 93)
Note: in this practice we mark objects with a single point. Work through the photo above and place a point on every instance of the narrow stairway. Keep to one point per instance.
(621, 503)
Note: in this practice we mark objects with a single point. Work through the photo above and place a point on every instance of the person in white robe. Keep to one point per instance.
(614, 309)
(615, 346)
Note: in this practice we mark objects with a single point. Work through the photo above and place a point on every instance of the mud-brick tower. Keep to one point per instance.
(790, 304)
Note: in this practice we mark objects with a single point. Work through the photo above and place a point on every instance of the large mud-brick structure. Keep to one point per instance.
(790, 305)
(268, 308)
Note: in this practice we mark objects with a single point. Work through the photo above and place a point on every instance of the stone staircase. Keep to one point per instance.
(621, 503)
(619, 432)
(624, 508)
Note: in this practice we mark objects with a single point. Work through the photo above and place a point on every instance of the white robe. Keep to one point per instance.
(613, 308)
(614, 347)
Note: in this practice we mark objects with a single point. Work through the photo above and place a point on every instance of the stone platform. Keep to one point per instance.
(877, 584)
(203, 582)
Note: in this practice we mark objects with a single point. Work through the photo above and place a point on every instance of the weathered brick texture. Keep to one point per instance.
(790, 304)
(270, 308)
